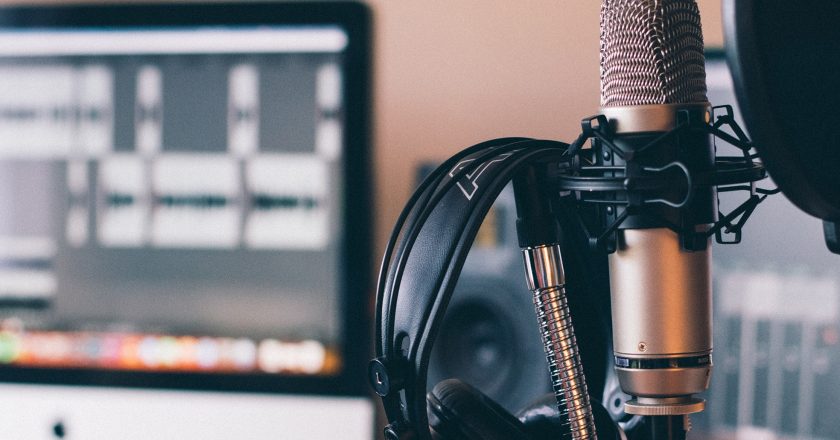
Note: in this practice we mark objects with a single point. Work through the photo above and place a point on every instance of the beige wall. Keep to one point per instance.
(452, 73)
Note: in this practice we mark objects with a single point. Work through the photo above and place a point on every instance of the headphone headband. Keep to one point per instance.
(426, 266)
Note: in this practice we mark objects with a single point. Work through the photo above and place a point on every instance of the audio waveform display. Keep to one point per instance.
(213, 201)
(290, 202)
(53, 111)
(119, 200)
(167, 176)
(208, 201)
(265, 202)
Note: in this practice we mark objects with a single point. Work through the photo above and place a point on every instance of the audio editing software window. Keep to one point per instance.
(170, 199)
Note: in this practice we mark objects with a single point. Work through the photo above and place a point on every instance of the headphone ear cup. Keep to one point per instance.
(457, 411)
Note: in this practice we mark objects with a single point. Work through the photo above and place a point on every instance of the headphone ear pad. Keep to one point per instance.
(457, 411)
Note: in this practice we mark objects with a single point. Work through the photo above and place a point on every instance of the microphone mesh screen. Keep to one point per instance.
(651, 53)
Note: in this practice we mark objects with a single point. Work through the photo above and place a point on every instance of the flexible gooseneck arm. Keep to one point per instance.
(539, 237)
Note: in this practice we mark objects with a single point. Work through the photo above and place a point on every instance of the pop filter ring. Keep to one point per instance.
(752, 75)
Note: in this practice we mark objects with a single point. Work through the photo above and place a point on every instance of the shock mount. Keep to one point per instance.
(633, 190)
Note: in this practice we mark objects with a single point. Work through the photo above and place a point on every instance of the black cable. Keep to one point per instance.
(432, 178)
(435, 193)
(445, 279)
(747, 188)
(421, 197)
(410, 236)
(423, 204)
(393, 277)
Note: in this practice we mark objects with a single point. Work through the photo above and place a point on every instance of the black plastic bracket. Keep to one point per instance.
(385, 377)
(628, 187)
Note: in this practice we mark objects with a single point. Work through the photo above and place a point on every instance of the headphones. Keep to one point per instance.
(421, 265)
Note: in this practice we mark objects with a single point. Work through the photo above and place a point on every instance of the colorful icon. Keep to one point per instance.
(9, 347)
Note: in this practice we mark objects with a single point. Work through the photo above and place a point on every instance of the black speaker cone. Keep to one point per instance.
(489, 339)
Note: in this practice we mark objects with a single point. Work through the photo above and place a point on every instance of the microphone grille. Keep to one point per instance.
(651, 53)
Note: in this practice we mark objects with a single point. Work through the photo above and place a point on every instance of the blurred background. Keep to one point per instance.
(444, 75)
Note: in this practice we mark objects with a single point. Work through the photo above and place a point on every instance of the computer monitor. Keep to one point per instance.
(183, 200)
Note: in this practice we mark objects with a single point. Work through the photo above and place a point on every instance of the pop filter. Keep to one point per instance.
(785, 58)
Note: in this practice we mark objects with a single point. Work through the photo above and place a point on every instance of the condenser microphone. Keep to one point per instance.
(652, 81)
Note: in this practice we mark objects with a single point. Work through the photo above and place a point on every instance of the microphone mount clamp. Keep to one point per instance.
(605, 173)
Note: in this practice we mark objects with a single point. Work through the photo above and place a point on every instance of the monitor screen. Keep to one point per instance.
(181, 195)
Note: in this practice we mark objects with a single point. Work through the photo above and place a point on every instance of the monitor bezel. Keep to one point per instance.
(354, 18)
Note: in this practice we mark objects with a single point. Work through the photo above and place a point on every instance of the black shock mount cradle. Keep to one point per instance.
(631, 188)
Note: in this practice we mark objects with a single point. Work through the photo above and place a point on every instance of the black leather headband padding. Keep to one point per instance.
(414, 301)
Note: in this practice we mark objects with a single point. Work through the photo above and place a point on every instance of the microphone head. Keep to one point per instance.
(651, 53)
